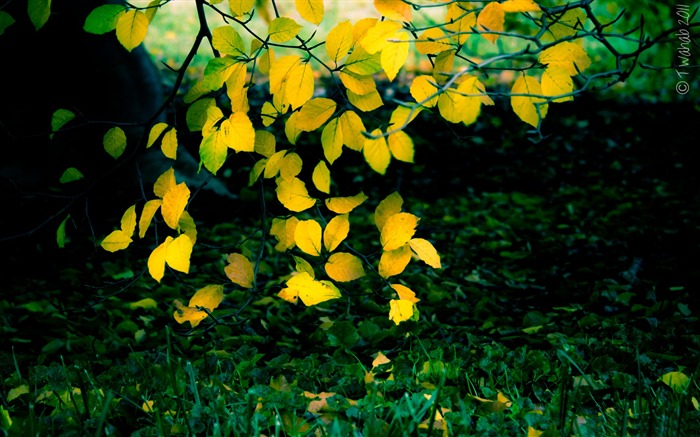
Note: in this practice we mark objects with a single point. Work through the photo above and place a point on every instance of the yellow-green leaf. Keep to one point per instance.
(301, 265)
(335, 232)
(291, 130)
(15, 393)
(70, 174)
(114, 142)
(149, 210)
(491, 18)
(398, 230)
(394, 55)
(424, 91)
(115, 241)
(59, 119)
(240, 270)
(377, 38)
(339, 41)
(103, 19)
(344, 267)
(310, 10)
(293, 195)
(401, 146)
(307, 237)
(376, 152)
(343, 205)
(388, 207)
(400, 310)
(530, 109)
(197, 114)
(284, 231)
(169, 144)
(567, 55)
(321, 177)
(426, 252)
(567, 24)
(240, 7)
(394, 9)
(156, 260)
(299, 87)
(213, 150)
(164, 183)
(393, 262)
(188, 226)
(314, 113)
(226, 40)
(405, 293)
(256, 171)
(352, 127)
(61, 233)
(332, 140)
(39, 12)
(146, 303)
(178, 253)
(556, 81)
(132, 27)
(282, 29)
(362, 63)
(678, 381)
(264, 143)
(174, 203)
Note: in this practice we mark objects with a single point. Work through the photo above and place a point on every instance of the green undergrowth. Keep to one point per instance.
(566, 306)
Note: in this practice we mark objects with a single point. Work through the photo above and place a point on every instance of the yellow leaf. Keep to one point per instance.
(128, 222)
(352, 127)
(155, 132)
(321, 177)
(240, 270)
(115, 241)
(532, 432)
(256, 171)
(290, 295)
(184, 314)
(314, 113)
(360, 28)
(272, 167)
(400, 310)
(147, 303)
(424, 91)
(293, 195)
(149, 210)
(240, 7)
(114, 142)
(678, 381)
(344, 267)
(279, 70)
(301, 265)
(282, 29)
(361, 62)
(376, 152)
(174, 203)
(572, 57)
(567, 24)
(339, 41)
(291, 130)
(426, 252)
(469, 105)
(380, 359)
(307, 237)
(156, 261)
(336, 231)
(241, 134)
(265, 60)
(187, 226)
(366, 102)
(311, 291)
(284, 231)
(393, 262)
(394, 55)
(357, 84)
(391, 205)
(332, 140)
(169, 144)
(433, 41)
(343, 205)
(290, 166)
(405, 293)
(557, 81)
(213, 150)
(491, 18)
(449, 105)
(310, 10)
(530, 109)
(394, 9)
(164, 183)
(459, 22)
(178, 253)
(237, 88)
(264, 143)
(226, 40)
(299, 86)
(398, 230)
(209, 297)
(444, 62)
(132, 27)
(520, 6)
(377, 38)
(402, 116)
(401, 146)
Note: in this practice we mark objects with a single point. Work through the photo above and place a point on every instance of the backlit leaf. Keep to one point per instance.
(272, 167)
(398, 229)
(209, 297)
(187, 226)
(282, 29)
(237, 88)
(362, 63)
(572, 57)
(444, 62)
(376, 152)
(115, 241)
(256, 171)
(114, 142)
(197, 114)
(405, 293)
(426, 252)
(310, 10)
(339, 41)
(491, 18)
(433, 41)
(321, 177)
(567, 24)
(344, 267)
(307, 237)
(218, 71)
(226, 40)
(156, 261)
(71, 174)
(469, 106)
(291, 130)
(155, 132)
(240, 270)
(128, 222)
(401, 116)
(520, 6)
(332, 140)
(343, 205)
(60, 118)
(299, 87)
(557, 81)
(678, 381)
(312, 292)
(280, 69)
(240, 7)
(393, 262)
(388, 207)
(314, 113)
(352, 127)
(264, 143)
(169, 144)
(178, 253)
(394, 9)
(132, 27)
(174, 203)
(149, 210)
(241, 134)
(459, 22)
(301, 265)
(449, 105)
(357, 84)
(424, 91)
(39, 12)
(377, 38)
(293, 195)
(401, 146)
(290, 166)
(103, 19)
(284, 231)
(525, 106)
(61, 233)
(6, 21)
(335, 232)
(366, 102)
(394, 55)
(213, 150)
(400, 310)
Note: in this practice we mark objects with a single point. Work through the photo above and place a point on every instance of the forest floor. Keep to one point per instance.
(567, 304)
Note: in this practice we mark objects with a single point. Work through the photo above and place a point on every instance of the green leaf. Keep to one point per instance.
(61, 233)
(226, 40)
(114, 142)
(39, 12)
(103, 19)
(6, 21)
(283, 29)
(71, 174)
